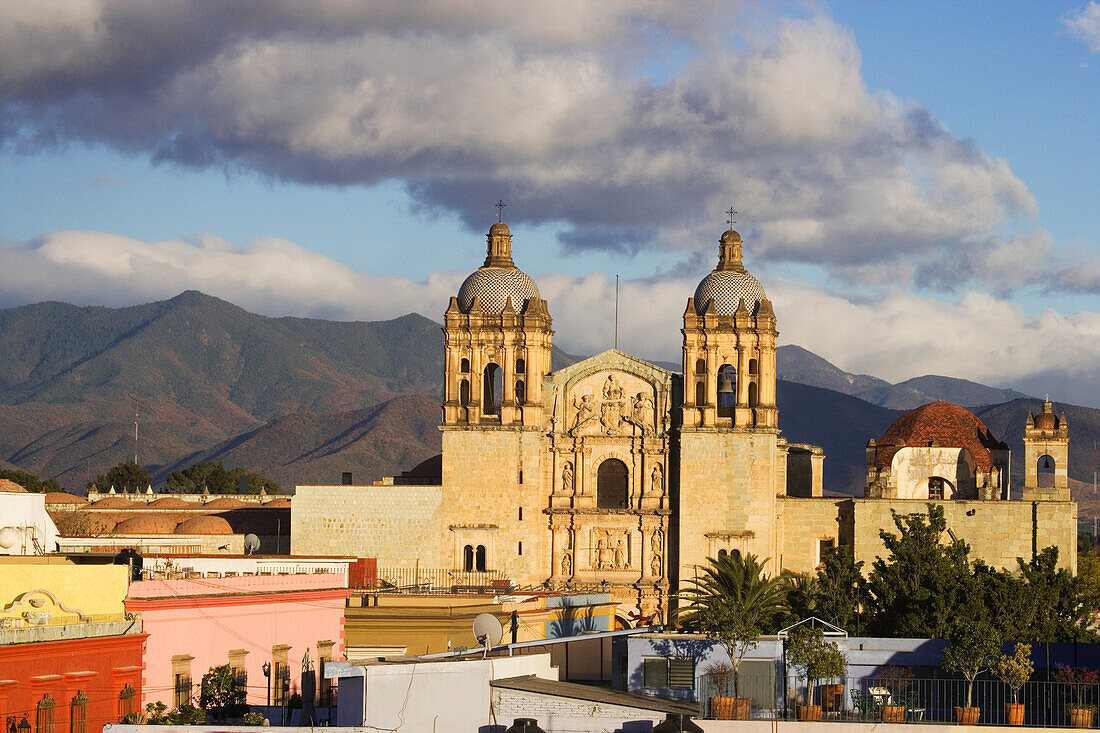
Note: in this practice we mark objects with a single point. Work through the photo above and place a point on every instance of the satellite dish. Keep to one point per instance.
(487, 631)
(9, 536)
(251, 544)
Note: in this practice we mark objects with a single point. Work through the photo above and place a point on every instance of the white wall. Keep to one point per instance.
(25, 515)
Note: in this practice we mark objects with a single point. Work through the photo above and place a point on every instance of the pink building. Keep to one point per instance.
(244, 621)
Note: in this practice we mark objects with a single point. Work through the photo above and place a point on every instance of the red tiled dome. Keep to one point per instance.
(64, 497)
(148, 524)
(280, 503)
(944, 424)
(171, 502)
(7, 486)
(205, 524)
(223, 503)
(1046, 421)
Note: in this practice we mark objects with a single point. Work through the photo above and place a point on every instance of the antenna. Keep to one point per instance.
(488, 631)
(616, 311)
(251, 544)
(135, 432)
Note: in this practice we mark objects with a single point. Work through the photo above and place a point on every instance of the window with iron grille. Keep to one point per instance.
(182, 694)
(127, 701)
(43, 715)
(78, 713)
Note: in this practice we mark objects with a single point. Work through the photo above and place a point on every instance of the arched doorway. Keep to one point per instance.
(611, 484)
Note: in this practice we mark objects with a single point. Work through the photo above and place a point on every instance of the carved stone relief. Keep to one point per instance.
(602, 405)
(567, 478)
(610, 549)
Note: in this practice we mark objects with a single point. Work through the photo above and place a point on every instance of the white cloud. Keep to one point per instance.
(896, 336)
(553, 103)
(1085, 25)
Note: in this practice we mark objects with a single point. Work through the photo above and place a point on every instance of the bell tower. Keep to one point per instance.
(1046, 456)
(497, 340)
(729, 347)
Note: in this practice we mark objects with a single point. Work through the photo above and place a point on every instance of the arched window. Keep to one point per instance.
(727, 390)
(127, 701)
(490, 403)
(1044, 471)
(43, 715)
(78, 713)
(701, 393)
(464, 392)
(479, 558)
(468, 558)
(464, 367)
(521, 391)
(754, 366)
(701, 366)
(611, 485)
(752, 394)
(940, 488)
(521, 366)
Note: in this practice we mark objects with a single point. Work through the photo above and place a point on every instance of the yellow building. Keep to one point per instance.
(616, 474)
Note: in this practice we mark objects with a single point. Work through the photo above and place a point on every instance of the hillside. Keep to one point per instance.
(302, 400)
(795, 364)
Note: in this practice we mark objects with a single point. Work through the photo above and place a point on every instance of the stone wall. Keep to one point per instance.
(397, 523)
(997, 531)
(727, 495)
(804, 523)
(483, 496)
(566, 714)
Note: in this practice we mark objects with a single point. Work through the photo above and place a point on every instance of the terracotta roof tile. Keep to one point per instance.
(942, 423)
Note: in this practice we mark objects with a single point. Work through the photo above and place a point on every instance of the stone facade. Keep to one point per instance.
(615, 475)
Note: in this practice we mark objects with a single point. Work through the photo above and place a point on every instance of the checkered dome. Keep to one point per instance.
(726, 288)
(493, 286)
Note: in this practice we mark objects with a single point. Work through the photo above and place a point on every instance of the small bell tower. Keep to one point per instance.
(1046, 456)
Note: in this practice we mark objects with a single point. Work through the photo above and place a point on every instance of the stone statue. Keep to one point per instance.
(586, 410)
(612, 390)
(657, 543)
(620, 554)
(567, 478)
(566, 564)
(657, 479)
(643, 409)
(655, 565)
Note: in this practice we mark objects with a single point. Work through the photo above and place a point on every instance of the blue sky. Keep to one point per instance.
(917, 180)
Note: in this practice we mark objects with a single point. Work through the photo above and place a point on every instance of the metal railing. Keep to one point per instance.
(1045, 704)
(439, 581)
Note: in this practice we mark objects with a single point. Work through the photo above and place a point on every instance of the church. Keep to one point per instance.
(615, 475)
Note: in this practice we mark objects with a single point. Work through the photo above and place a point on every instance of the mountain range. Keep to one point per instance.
(303, 400)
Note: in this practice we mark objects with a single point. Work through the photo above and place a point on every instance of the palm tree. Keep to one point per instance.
(733, 603)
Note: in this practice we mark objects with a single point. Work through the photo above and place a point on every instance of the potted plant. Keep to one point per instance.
(723, 705)
(818, 659)
(732, 602)
(896, 679)
(1080, 681)
(972, 650)
(1015, 671)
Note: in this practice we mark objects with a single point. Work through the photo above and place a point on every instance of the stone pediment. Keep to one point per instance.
(612, 394)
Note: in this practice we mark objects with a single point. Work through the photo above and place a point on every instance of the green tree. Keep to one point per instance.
(733, 603)
(917, 589)
(214, 477)
(841, 591)
(1057, 610)
(29, 481)
(818, 659)
(219, 694)
(973, 648)
(125, 477)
